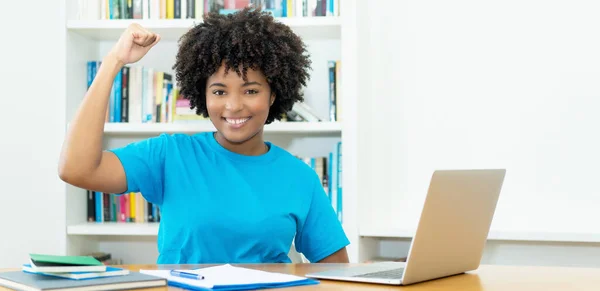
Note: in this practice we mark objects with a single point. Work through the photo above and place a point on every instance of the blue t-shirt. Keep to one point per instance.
(218, 206)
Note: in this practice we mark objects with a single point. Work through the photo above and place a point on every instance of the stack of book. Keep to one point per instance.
(44, 272)
(73, 267)
(128, 207)
(329, 171)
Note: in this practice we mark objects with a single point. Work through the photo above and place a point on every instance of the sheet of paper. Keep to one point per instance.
(225, 275)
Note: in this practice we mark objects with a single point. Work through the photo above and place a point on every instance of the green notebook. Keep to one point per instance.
(61, 264)
(65, 260)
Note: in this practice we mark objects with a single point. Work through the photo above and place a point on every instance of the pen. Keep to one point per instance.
(187, 275)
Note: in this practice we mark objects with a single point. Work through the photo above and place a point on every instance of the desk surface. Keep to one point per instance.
(486, 278)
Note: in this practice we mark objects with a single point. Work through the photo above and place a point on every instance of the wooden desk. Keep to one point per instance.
(486, 278)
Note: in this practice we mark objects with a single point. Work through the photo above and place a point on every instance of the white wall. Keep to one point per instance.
(471, 84)
(32, 206)
(485, 84)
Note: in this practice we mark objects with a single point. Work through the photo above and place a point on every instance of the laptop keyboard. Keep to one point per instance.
(388, 274)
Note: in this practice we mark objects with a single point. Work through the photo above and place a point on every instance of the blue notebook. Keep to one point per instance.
(110, 272)
(229, 278)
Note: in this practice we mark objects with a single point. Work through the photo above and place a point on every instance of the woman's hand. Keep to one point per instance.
(134, 43)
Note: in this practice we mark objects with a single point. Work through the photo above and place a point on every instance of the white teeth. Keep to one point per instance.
(236, 121)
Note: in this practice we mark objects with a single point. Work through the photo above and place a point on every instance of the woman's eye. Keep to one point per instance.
(251, 91)
(219, 92)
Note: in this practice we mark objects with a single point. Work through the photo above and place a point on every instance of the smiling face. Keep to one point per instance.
(238, 108)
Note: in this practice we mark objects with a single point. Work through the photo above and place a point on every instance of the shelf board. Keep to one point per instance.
(114, 228)
(191, 128)
(173, 29)
(499, 235)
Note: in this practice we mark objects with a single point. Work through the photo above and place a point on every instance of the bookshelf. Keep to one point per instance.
(114, 229)
(327, 38)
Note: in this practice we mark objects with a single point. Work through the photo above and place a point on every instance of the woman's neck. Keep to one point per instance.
(252, 147)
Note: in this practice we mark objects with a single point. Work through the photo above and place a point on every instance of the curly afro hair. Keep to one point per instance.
(248, 38)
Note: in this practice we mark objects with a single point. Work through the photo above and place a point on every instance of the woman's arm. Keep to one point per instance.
(82, 161)
(340, 256)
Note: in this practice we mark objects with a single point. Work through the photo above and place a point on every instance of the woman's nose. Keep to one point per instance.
(234, 103)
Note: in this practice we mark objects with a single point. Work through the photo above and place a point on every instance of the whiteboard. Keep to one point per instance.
(482, 84)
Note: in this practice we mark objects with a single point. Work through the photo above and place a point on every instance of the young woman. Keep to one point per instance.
(226, 196)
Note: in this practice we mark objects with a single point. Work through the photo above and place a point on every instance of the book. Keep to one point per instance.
(228, 277)
(26, 281)
(110, 272)
(56, 264)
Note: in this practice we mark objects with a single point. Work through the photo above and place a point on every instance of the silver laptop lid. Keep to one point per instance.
(454, 223)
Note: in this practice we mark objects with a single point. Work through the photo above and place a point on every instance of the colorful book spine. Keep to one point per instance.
(195, 9)
(117, 94)
(339, 193)
(332, 91)
(122, 208)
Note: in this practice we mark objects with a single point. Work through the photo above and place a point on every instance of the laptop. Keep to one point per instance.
(451, 233)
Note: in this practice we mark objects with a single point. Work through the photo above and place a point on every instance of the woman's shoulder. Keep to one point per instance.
(296, 163)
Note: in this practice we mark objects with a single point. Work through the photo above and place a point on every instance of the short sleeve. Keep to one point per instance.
(143, 162)
(321, 234)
